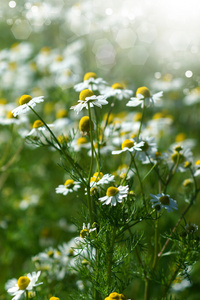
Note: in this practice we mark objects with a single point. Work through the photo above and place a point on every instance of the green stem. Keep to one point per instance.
(140, 181)
(109, 112)
(110, 256)
(156, 244)
(60, 148)
(143, 110)
(147, 290)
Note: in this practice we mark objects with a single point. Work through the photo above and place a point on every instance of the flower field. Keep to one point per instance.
(100, 160)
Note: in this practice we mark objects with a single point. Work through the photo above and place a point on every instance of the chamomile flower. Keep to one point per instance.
(86, 230)
(68, 187)
(161, 200)
(24, 283)
(143, 97)
(26, 103)
(197, 168)
(148, 150)
(118, 91)
(180, 157)
(90, 81)
(38, 127)
(87, 96)
(114, 195)
(129, 145)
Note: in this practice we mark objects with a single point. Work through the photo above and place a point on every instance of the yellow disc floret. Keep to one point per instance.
(116, 296)
(54, 298)
(84, 124)
(62, 113)
(37, 124)
(144, 91)
(23, 282)
(10, 115)
(112, 191)
(82, 140)
(84, 232)
(24, 99)
(89, 75)
(128, 144)
(197, 163)
(85, 93)
(98, 174)
(117, 86)
(164, 200)
(69, 183)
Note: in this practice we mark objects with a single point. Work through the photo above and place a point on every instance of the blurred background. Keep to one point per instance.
(46, 47)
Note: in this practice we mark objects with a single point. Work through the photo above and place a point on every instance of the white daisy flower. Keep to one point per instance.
(69, 186)
(149, 150)
(114, 195)
(161, 200)
(87, 96)
(143, 97)
(91, 82)
(38, 126)
(86, 230)
(24, 283)
(80, 143)
(197, 168)
(98, 179)
(129, 145)
(117, 90)
(26, 102)
(180, 157)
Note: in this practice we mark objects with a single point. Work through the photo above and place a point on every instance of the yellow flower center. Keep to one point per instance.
(82, 140)
(24, 99)
(197, 163)
(128, 144)
(63, 139)
(37, 124)
(59, 58)
(187, 182)
(116, 296)
(89, 75)
(3, 101)
(94, 179)
(84, 233)
(158, 115)
(144, 91)
(54, 298)
(23, 282)
(180, 137)
(164, 200)
(98, 174)
(177, 157)
(187, 164)
(138, 116)
(84, 124)
(10, 115)
(117, 86)
(50, 253)
(85, 93)
(112, 191)
(69, 183)
(62, 113)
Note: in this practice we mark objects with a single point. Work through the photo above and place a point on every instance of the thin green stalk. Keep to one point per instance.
(170, 282)
(60, 148)
(140, 181)
(143, 110)
(108, 115)
(110, 256)
(155, 244)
